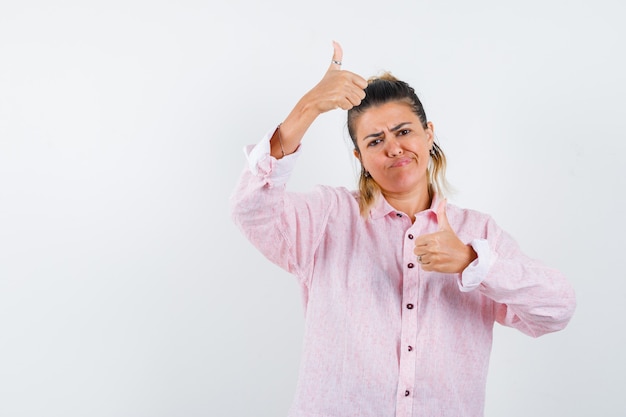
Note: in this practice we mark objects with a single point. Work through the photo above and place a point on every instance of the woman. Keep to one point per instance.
(400, 289)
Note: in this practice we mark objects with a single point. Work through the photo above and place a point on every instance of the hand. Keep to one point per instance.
(443, 251)
(338, 88)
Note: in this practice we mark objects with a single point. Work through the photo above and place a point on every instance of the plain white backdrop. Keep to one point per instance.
(126, 291)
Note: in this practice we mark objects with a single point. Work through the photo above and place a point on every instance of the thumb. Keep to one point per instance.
(335, 63)
(442, 217)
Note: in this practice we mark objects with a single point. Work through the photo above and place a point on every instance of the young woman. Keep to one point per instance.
(401, 290)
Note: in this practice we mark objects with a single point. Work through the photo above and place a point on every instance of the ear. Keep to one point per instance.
(430, 133)
(357, 155)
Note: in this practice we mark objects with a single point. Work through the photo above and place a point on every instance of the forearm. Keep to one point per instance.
(531, 297)
(528, 295)
(287, 137)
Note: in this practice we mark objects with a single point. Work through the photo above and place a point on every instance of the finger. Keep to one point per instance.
(428, 267)
(442, 217)
(346, 104)
(335, 63)
(361, 94)
(424, 260)
(424, 240)
(359, 81)
(354, 98)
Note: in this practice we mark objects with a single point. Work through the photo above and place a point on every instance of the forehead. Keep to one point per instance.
(385, 116)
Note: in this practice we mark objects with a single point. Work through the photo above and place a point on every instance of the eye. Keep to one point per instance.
(404, 132)
(374, 142)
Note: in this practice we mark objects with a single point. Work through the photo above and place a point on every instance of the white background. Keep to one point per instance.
(125, 290)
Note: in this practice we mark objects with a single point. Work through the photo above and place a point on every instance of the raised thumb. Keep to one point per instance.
(335, 63)
(442, 217)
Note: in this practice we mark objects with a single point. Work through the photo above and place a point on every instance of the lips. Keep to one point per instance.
(401, 162)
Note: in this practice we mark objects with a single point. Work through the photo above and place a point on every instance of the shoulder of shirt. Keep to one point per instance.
(339, 191)
(464, 212)
(341, 197)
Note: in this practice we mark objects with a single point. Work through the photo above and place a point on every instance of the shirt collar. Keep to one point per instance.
(382, 208)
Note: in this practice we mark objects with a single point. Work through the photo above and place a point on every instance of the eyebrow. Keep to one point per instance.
(393, 129)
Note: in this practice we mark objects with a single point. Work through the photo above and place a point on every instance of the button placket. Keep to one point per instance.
(410, 291)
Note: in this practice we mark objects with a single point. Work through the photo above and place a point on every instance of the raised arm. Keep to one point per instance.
(337, 89)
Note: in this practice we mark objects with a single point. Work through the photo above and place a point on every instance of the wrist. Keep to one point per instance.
(307, 109)
(471, 255)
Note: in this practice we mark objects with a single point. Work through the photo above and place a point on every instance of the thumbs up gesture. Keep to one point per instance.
(338, 88)
(443, 251)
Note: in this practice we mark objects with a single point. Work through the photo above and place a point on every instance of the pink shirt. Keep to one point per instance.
(382, 336)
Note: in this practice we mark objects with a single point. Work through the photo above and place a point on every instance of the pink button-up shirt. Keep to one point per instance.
(382, 336)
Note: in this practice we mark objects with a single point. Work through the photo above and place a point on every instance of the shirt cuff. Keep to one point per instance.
(262, 163)
(476, 272)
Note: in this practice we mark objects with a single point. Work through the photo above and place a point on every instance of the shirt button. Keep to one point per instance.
(410, 236)
(399, 214)
(406, 393)
(410, 348)
(409, 306)
(410, 265)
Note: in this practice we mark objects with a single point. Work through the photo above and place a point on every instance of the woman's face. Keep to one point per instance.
(394, 147)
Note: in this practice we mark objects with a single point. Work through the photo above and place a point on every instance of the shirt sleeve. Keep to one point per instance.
(286, 227)
(261, 162)
(529, 296)
(475, 273)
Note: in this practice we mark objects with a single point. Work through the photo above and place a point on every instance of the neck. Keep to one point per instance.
(410, 203)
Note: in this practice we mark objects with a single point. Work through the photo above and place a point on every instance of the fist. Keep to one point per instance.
(443, 251)
(338, 88)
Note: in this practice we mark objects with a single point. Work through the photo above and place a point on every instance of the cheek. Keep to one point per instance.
(369, 162)
(423, 147)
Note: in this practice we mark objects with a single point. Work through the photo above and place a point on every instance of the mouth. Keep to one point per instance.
(401, 162)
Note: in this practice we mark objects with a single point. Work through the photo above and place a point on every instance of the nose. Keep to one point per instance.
(393, 146)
